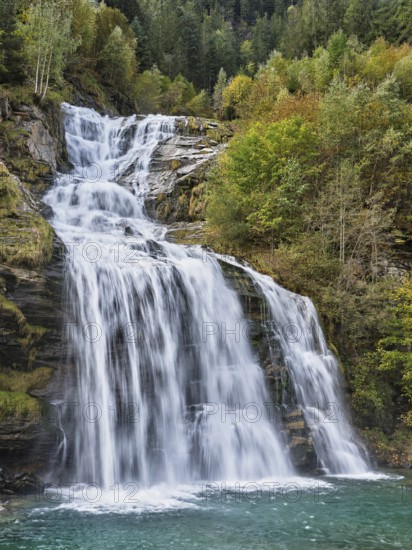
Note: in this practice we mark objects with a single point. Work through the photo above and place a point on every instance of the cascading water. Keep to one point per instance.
(169, 397)
(315, 377)
(163, 393)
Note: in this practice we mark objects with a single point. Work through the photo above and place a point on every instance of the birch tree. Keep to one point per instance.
(46, 28)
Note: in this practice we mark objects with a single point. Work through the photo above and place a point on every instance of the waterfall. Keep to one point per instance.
(165, 398)
(315, 377)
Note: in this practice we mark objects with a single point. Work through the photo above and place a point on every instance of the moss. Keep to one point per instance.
(29, 334)
(10, 308)
(18, 404)
(23, 382)
(10, 194)
(26, 240)
(182, 200)
(29, 170)
(175, 164)
(60, 95)
(197, 204)
(26, 237)
(19, 94)
(161, 197)
(86, 81)
(215, 130)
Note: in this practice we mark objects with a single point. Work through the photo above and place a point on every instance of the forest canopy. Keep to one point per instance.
(168, 55)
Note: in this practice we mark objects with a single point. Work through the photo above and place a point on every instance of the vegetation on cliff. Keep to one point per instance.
(318, 179)
(27, 238)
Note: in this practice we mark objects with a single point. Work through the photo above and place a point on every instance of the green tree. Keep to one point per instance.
(358, 20)
(117, 60)
(148, 91)
(11, 45)
(268, 171)
(384, 377)
(83, 27)
(235, 95)
(403, 74)
(337, 46)
(199, 105)
(48, 41)
(107, 19)
(218, 92)
(143, 50)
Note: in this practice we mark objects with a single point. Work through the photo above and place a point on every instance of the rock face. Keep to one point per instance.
(31, 279)
(180, 167)
(32, 142)
(31, 353)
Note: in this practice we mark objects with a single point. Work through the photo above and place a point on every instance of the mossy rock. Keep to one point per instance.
(28, 334)
(30, 171)
(175, 164)
(18, 405)
(218, 131)
(26, 237)
(197, 204)
(12, 380)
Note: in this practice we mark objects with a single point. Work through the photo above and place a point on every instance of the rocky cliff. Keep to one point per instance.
(31, 276)
(180, 167)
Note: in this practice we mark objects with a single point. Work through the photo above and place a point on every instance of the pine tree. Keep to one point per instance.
(11, 45)
(144, 53)
(263, 39)
(358, 20)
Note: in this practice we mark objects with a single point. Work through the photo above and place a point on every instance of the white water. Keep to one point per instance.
(314, 371)
(162, 388)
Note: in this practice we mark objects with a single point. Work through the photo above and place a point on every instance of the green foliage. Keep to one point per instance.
(267, 171)
(83, 28)
(218, 93)
(27, 238)
(358, 20)
(46, 29)
(403, 74)
(117, 60)
(236, 94)
(148, 90)
(11, 45)
(318, 178)
(383, 378)
(199, 105)
(107, 19)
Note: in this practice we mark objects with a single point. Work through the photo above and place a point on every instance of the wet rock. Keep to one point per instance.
(18, 483)
(32, 142)
(180, 167)
(31, 324)
(263, 339)
(186, 233)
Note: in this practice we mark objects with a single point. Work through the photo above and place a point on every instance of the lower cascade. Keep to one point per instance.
(170, 400)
